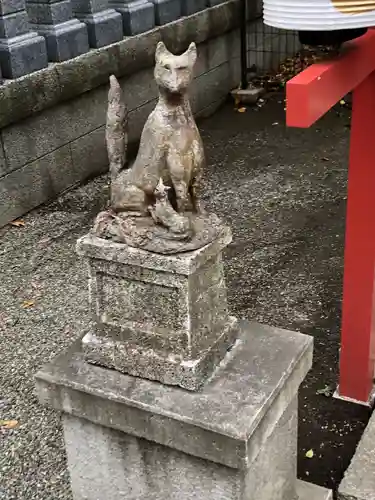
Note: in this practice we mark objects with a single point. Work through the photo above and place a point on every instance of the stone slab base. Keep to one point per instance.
(132, 438)
(247, 96)
(359, 479)
(108, 464)
(308, 491)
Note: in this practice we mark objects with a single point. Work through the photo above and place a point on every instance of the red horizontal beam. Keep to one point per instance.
(319, 87)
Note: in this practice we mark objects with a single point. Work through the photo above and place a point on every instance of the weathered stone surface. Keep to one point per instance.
(39, 135)
(104, 25)
(151, 363)
(213, 3)
(10, 6)
(21, 51)
(359, 479)
(148, 234)
(65, 36)
(58, 12)
(247, 96)
(21, 55)
(309, 491)
(189, 7)
(185, 263)
(166, 11)
(89, 157)
(79, 75)
(138, 16)
(228, 422)
(33, 184)
(159, 317)
(66, 40)
(105, 463)
(156, 202)
(3, 163)
(12, 25)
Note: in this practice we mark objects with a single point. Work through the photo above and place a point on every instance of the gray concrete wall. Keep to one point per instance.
(52, 121)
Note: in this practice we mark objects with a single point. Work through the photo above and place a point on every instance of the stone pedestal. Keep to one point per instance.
(21, 51)
(159, 317)
(164, 318)
(135, 439)
(189, 7)
(104, 25)
(66, 37)
(167, 11)
(138, 16)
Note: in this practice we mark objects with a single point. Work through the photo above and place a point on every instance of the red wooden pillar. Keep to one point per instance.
(309, 96)
(358, 318)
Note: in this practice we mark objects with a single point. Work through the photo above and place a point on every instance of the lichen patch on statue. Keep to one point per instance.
(156, 201)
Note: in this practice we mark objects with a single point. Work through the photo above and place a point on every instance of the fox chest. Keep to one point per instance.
(184, 148)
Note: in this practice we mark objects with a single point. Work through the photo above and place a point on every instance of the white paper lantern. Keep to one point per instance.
(319, 15)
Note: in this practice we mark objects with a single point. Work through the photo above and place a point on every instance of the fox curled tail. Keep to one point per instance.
(116, 128)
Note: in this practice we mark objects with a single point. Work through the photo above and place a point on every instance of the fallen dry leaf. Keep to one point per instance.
(8, 424)
(241, 110)
(309, 454)
(18, 223)
(27, 303)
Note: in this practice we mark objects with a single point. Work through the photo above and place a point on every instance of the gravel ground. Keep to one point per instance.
(283, 191)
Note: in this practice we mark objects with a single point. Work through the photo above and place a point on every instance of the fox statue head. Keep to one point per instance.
(174, 73)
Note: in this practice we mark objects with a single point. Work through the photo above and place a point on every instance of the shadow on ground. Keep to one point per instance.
(284, 193)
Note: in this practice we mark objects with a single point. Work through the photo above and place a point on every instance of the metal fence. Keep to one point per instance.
(269, 56)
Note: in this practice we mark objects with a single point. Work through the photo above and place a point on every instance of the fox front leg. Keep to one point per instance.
(182, 195)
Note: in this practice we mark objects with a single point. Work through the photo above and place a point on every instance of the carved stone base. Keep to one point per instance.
(142, 232)
(156, 316)
(147, 363)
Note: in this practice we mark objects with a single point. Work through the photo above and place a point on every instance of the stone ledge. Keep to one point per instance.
(359, 479)
(256, 389)
(60, 82)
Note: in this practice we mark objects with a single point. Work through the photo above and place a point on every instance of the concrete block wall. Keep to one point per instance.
(52, 121)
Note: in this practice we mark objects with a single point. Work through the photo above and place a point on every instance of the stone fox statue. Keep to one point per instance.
(170, 149)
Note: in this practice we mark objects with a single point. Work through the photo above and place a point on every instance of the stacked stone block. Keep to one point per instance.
(104, 25)
(212, 3)
(167, 11)
(189, 7)
(22, 51)
(138, 16)
(65, 35)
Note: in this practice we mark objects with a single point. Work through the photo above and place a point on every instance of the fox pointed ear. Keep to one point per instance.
(192, 53)
(161, 50)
